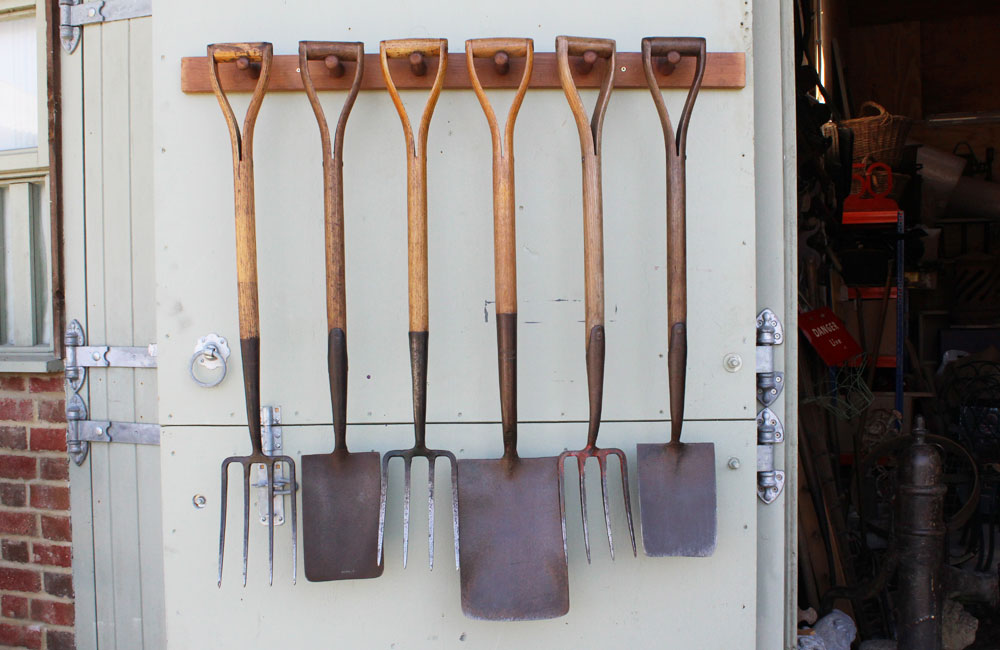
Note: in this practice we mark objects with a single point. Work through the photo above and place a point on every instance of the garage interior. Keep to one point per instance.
(898, 117)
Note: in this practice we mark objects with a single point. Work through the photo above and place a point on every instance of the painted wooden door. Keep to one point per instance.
(110, 288)
(631, 602)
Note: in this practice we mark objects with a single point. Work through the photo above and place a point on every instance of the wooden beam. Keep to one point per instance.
(722, 70)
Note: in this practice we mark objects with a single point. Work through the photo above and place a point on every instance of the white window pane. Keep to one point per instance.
(18, 83)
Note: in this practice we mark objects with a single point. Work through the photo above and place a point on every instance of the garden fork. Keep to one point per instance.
(249, 55)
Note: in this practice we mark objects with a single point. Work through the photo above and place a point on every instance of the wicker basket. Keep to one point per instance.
(880, 137)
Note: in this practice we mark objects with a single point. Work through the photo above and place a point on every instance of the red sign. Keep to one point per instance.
(828, 336)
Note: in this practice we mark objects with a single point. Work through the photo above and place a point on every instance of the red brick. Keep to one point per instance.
(52, 410)
(18, 523)
(11, 383)
(50, 497)
(15, 636)
(52, 555)
(13, 494)
(48, 439)
(58, 584)
(17, 466)
(33, 637)
(15, 551)
(59, 640)
(48, 611)
(18, 410)
(57, 529)
(54, 469)
(47, 384)
(13, 438)
(14, 606)
(19, 580)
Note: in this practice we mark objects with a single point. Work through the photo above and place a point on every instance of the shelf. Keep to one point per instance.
(722, 70)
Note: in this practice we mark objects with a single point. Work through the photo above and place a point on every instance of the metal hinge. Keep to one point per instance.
(770, 432)
(80, 431)
(271, 445)
(74, 14)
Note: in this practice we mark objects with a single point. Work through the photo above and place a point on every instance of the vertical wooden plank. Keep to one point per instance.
(74, 283)
(91, 46)
(19, 261)
(116, 70)
(144, 326)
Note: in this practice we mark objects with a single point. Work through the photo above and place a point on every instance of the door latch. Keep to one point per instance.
(770, 432)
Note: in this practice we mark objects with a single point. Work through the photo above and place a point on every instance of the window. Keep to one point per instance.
(26, 328)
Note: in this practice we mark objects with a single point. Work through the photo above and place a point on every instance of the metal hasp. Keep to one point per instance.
(769, 334)
(770, 432)
(73, 15)
(921, 536)
(271, 444)
(80, 431)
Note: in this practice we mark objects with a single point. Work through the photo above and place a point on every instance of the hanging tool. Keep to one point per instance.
(245, 55)
(340, 489)
(513, 566)
(416, 50)
(677, 502)
(593, 263)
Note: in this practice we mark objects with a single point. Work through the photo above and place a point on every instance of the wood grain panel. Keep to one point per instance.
(722, 70)
(883, 65)
(961, 76)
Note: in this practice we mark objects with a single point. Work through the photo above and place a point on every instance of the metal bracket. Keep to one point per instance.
(270, 438)
(80, 431)
(770, 333)
(770, 432)
(74, 14)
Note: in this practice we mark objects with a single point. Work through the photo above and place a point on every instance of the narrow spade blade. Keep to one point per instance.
(340, 503)
(513, 567)
(677, 502)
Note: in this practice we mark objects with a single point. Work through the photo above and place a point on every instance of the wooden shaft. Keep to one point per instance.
(246, 231)
(416, 168)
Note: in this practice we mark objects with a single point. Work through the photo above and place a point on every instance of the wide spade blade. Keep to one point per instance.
(513, 566)
(677, 503)
(340, 501)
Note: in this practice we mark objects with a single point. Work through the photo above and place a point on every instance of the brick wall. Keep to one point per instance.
(36, 578)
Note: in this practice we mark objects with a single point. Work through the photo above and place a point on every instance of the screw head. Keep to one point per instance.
(199, 501)
(734, 463)
(732, 362)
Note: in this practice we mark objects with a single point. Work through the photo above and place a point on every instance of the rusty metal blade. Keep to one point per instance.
(677, 501)
(340, 513)
(512, 563)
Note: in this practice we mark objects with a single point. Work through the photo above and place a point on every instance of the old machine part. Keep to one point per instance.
(921, 532)
(593, 263)
(246, 267)
(677, 490)
(339, 489)
(416, 50)
(513, 567)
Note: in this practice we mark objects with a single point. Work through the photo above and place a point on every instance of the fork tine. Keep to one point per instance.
(581, 463)
(602, 461)
(224, 503)
(628, 503)
(562, 501)
(381, 506)
(430, 510)
(293, 488)
(270, 522)
(454, 503)
(246, 518)
(407, 461)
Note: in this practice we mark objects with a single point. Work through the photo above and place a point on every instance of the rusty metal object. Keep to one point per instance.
(677, 490)
(920, 529)
(593, 236)
(513, 566)
(340, 489)
(259, 54)
(416, 211)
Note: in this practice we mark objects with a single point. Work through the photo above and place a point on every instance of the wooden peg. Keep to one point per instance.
(417, 64)
(334, 65)
(252, 68)
(587, 61)
(501, 63)
(666, 65)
